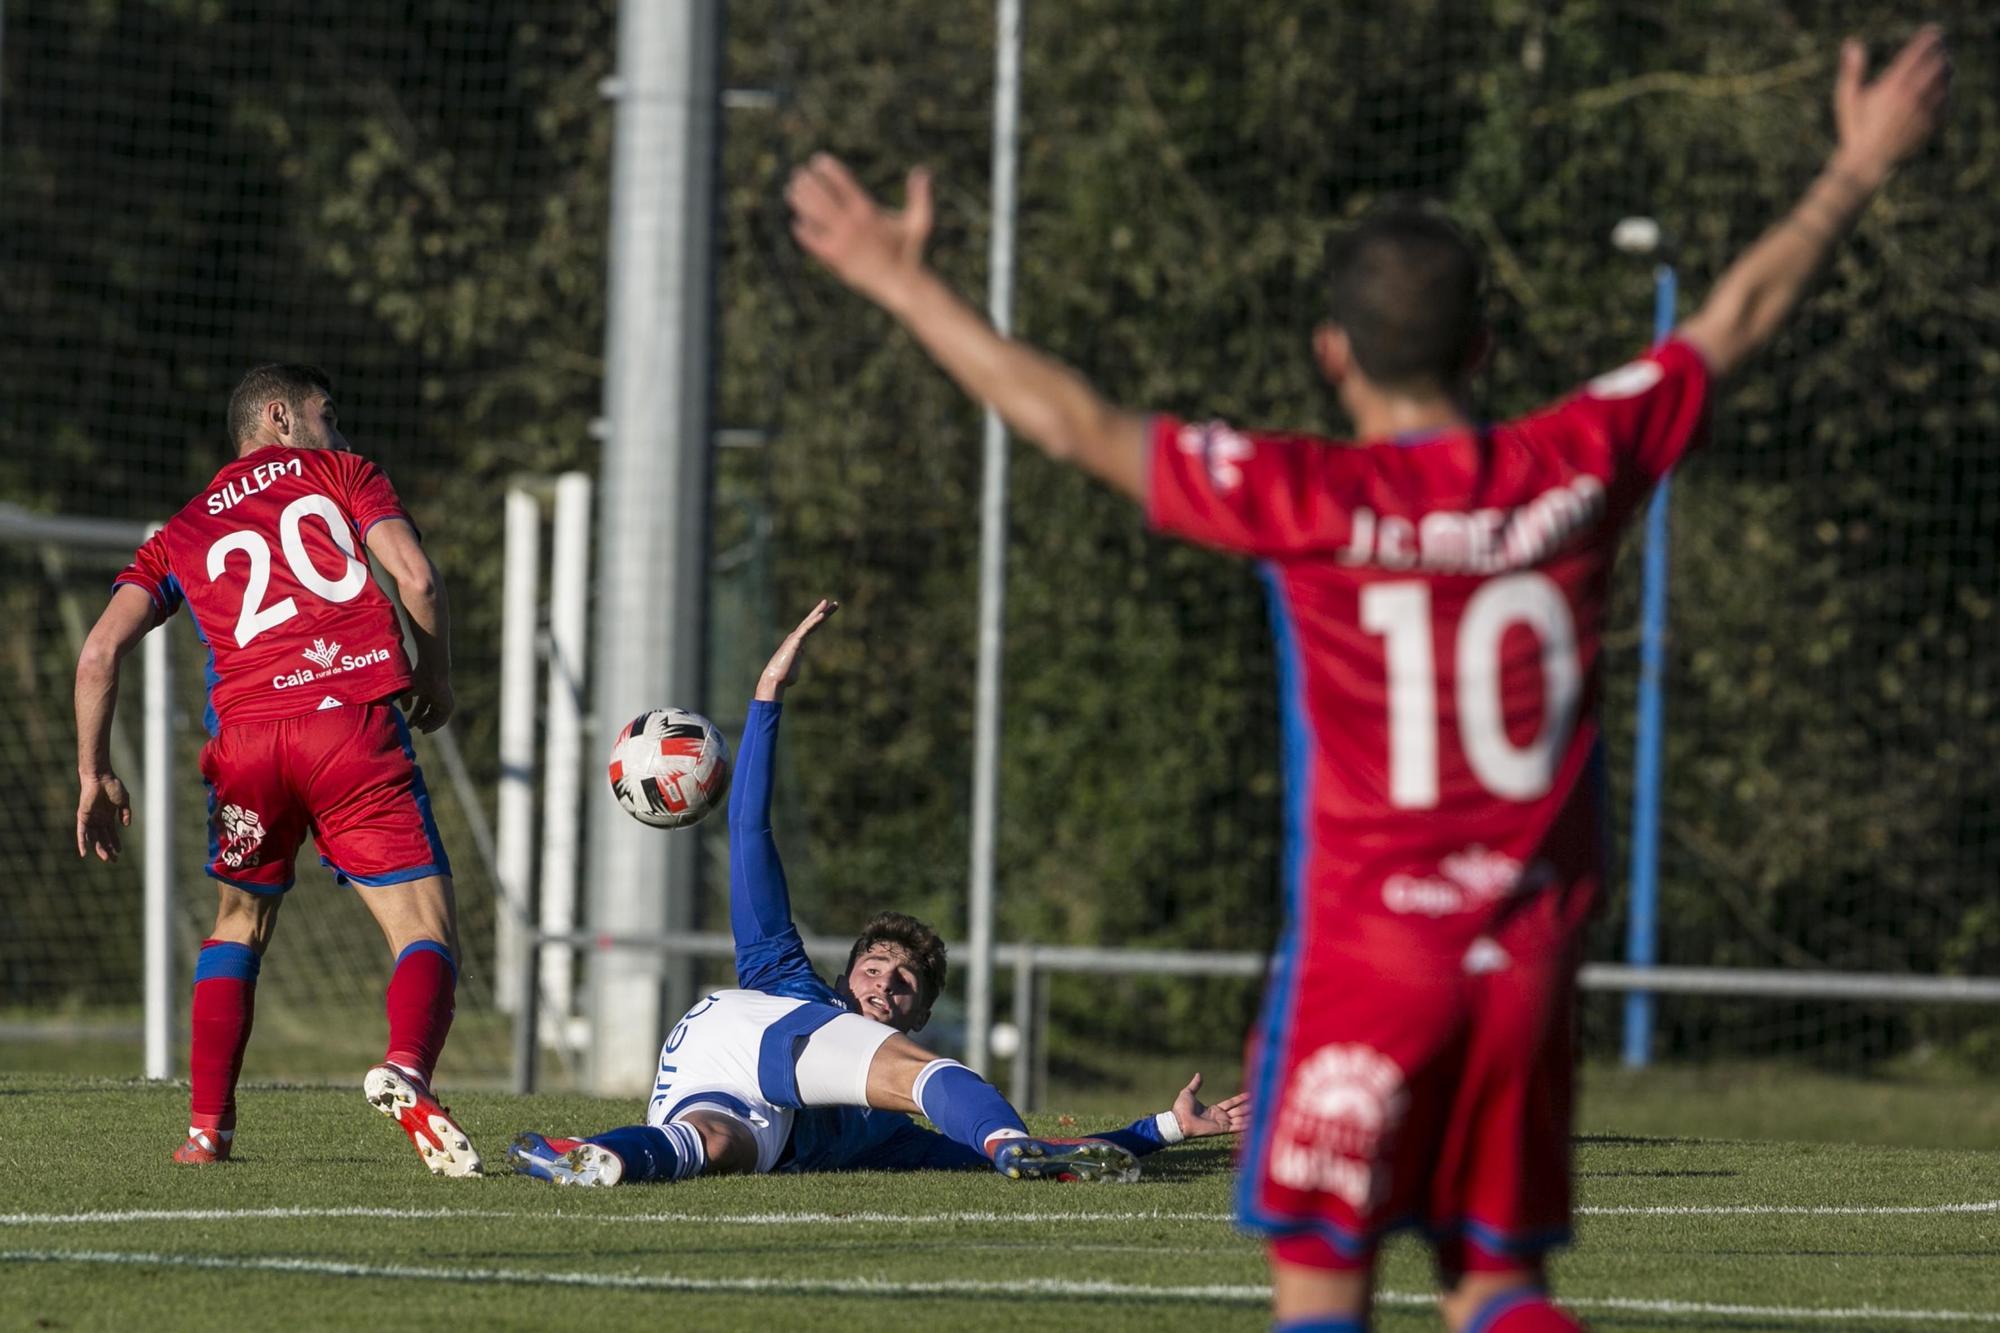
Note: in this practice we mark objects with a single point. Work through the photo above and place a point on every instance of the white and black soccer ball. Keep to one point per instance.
(669, 768)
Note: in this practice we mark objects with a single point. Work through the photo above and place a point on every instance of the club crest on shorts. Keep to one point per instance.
(1344, 1104)
(242, 836)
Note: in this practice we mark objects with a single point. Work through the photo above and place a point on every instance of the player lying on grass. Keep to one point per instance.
(1438, 585)
(791, 1074)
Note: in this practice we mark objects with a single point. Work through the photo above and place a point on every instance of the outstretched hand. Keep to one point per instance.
(1231, 1115)
(1883, 122)
(102, 810)
(783, 668)
(865, 245)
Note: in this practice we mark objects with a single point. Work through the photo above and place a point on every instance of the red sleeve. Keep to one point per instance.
(1263, 495)
(151, 574)
(1651, 411)
(370, 498)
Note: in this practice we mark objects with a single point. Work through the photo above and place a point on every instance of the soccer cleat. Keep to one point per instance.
(436, 1136)
(203, 1147)
(565, 1161)
(1096, 1160)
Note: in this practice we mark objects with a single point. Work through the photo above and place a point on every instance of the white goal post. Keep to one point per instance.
(153, 792)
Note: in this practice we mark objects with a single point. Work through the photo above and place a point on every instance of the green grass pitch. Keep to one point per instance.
(326, 1220)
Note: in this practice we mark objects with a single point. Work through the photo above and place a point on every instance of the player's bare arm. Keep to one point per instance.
(1879, 124)
(421, 591)
(102, 806)
(880, 254)
(1231, 1115)
(783, 668)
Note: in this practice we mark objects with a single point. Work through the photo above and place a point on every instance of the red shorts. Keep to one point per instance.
(1434, 1097)
(346, 775)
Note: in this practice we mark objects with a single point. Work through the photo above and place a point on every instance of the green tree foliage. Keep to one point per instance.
(416, 195)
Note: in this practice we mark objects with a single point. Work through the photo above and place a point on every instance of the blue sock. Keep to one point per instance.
(1326, 1323)
(965, 1107)
(655, 1152)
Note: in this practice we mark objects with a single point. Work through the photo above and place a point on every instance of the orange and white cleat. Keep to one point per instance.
(436, 1136)
(202, 1147)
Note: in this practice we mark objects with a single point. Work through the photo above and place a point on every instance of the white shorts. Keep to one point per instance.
(757, 1058)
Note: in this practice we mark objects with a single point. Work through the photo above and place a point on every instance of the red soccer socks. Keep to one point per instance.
(420, 1007)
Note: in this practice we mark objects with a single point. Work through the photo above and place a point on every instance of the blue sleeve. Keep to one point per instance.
(1140, 1137)
(770, 956)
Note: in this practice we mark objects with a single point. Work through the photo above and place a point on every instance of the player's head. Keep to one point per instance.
(1405, 304)
(284, 403)
(895, 971)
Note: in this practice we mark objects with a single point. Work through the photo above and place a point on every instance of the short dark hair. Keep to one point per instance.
(288, 380)
(914, 938)
(1408, 288)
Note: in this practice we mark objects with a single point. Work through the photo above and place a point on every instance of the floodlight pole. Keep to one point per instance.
(653, 498)
(979, 906)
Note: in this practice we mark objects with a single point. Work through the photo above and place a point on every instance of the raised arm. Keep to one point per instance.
(1879, 125)
(770, 956)
(880, 254)
(102, 807)
(394, 542)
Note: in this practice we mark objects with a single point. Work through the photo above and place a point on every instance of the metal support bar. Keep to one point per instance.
(1024, 1025)
(1642, 924)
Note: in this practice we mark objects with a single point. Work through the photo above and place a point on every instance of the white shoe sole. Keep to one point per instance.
(441, 1144)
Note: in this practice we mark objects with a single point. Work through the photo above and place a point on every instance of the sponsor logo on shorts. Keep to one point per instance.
(332, 662)
(242, 836)
(1465, 882)
(1340, 1116)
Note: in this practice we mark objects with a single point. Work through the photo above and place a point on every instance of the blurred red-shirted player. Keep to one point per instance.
(306, 663)
(1438, 592)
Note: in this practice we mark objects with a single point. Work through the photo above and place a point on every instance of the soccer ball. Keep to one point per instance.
(669, 768)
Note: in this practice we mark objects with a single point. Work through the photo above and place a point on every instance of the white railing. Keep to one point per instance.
(1030, 961)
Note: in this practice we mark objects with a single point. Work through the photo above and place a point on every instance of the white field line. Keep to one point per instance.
(924, 1219)
(801, 1286)
(710, 1219)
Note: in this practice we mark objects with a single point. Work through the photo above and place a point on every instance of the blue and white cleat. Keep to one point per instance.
(565, 1161)
(1098, 1161)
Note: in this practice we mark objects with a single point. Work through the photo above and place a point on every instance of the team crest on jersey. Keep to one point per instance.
(1344, 1106)
(1220, 450)
(242, 836)
(322, 652)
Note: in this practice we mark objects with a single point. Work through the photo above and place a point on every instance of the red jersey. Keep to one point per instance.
(268, 558)
(1439, 607)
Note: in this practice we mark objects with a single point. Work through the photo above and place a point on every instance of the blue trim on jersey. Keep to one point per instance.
(1295, 732)
(729, 1102)
(778, 1053)
(430, 946)
(210, 678)
(226, 960)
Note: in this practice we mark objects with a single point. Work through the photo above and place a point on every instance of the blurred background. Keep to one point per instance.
(418, 196)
